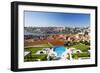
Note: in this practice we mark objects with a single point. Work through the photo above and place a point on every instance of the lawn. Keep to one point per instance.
(34, 57)
(81, 55)
(82, 47)
(33, 50)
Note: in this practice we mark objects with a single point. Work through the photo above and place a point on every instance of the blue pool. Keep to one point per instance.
(59, 50)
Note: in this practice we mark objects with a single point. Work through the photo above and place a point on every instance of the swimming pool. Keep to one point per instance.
(59, 50)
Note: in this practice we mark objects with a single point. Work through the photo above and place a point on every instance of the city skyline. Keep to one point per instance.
(54, 19)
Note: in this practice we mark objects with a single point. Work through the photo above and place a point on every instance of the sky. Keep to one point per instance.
(55, 19)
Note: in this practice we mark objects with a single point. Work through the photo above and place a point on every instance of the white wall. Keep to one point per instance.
(5, 35)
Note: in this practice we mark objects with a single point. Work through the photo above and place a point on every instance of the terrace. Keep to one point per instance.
(44, 56)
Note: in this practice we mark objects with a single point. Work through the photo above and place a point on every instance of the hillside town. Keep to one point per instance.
(55, 35)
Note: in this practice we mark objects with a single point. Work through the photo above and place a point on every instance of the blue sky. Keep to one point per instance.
(54, 19)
